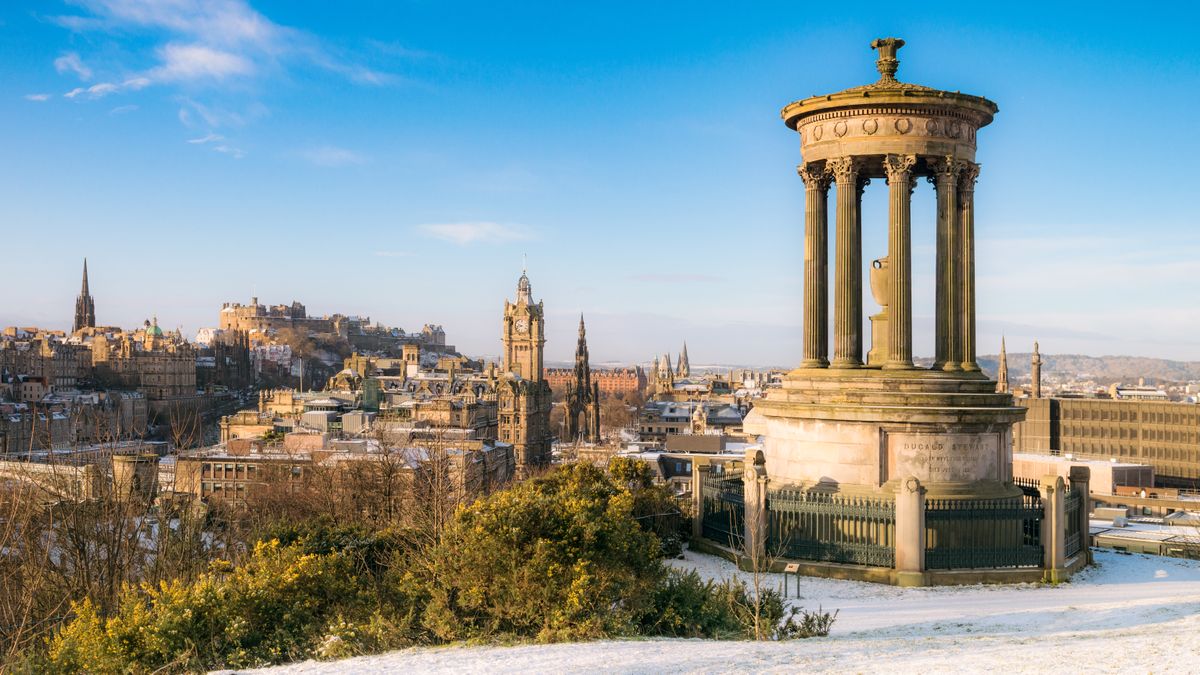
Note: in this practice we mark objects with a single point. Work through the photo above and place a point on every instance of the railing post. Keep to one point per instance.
(699, 475)
(1081, 484)
(1054, 525)
(754, 478)
(910, 533)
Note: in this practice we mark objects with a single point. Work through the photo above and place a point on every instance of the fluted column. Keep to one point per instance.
(847, 317)
(947, 335)
(899, 170)
(816, 266)
(966, 226)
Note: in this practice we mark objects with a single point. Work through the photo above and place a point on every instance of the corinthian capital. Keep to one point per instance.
(945, 170)
(970, 174)
(815, 177)
(899, 167)
(844, 169)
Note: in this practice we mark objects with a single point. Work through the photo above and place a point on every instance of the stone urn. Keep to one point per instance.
(881, 281)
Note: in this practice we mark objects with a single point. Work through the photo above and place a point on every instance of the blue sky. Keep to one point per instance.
(396, 159)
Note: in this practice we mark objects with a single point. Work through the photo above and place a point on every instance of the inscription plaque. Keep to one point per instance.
(944, 457)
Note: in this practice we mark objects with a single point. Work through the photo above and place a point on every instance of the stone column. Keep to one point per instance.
(900, 186)
(699, 473)
(754, 482)
(1081, 483)
(910, 533)
(1054, 540)
(847, 317)
(966, 222)
(816, 267)
(945, 180)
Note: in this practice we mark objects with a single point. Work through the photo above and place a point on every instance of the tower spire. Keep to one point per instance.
(1002, 370)
(85, 308)
(1036, 372)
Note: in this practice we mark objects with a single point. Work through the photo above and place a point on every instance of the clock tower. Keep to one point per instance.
(524, 334)
(523, 394)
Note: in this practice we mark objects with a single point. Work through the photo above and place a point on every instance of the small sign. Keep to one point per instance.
(791, 568)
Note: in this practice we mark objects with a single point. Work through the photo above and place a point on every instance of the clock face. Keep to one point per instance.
(522, 326)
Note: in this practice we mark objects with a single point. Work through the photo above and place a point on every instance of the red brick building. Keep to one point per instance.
(611, 381)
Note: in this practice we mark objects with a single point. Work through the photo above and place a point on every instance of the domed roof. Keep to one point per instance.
(890, 90)
(153, 329)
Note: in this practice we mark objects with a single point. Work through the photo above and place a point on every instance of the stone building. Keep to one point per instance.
(523, 395)
(1161, 434)
(261, 318)
(161, 365)
(236, 472)
(582, 399)
(225, 361)
(44, 356)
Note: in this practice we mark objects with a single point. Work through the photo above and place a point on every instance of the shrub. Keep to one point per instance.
(654, 507)
(687, 606)
(556, 558)
(803, 623)
(269, 610)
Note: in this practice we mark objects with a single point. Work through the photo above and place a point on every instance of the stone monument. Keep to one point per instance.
(840, 424)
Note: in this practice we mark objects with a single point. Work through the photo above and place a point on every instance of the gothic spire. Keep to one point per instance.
(1002, 370)
(85, 309)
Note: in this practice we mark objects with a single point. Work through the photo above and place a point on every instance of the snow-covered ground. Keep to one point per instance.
(1129, 613)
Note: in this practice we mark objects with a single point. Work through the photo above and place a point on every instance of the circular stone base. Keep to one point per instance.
(862, 430)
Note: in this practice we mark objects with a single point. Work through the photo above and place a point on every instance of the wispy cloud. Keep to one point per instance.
(198, 62)
(37, 97)
(468, 233)
(218, 144)
(393, 254)
(70, 62)
(207, 138)
(332, 156)
(683, 278)
(193, 114)
(122, 109)
(209, 40)
(233, 152)
(102, 89)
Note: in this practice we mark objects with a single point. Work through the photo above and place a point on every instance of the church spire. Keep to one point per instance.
(85, 308)
(685, 368)
(1002, 370)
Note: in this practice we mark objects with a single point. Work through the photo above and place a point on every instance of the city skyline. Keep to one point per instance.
(399, 166)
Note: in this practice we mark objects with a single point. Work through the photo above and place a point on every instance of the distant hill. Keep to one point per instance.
(1102, 369)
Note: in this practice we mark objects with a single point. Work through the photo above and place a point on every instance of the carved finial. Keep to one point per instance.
(887, 64)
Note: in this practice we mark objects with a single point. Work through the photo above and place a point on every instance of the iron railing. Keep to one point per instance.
(724, 509)
(1029, 486)
(983, 533)
(804, 525)
(1073, 506)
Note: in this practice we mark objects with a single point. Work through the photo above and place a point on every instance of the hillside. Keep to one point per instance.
(1102, 369)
